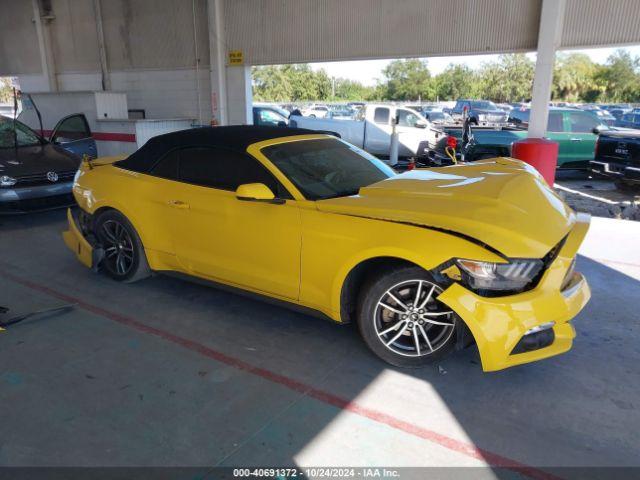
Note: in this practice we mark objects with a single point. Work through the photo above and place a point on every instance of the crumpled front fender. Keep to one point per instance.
(498, 323)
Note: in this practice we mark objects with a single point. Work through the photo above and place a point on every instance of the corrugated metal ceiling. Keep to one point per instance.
(159, 33)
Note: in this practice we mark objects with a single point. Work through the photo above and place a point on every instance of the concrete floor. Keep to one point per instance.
(166, 372)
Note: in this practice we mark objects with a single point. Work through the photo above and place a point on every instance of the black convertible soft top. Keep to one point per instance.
(235, 137)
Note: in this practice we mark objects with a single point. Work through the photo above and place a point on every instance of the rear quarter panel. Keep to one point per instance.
(133, 194)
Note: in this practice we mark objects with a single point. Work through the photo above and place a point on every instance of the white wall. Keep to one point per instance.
(161, 93)
(166, 93)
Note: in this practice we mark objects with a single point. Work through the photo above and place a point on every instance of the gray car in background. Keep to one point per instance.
(37, 173)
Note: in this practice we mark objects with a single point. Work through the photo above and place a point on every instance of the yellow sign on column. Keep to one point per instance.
(236, 57)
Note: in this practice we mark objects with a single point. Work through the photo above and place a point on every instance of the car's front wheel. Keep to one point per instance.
(124, 257)
(401, 320)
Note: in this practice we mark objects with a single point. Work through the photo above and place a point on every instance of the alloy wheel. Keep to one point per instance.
(409, 320)
(118, 247)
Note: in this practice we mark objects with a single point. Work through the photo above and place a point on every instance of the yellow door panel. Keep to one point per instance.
(252, 244)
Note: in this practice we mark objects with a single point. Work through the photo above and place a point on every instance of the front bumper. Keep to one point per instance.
(79, 245)
(616, 170)
(36, 198)
(499, 323)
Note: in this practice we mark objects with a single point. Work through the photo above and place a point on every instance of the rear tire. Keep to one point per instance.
(124, 256)
(401, 321)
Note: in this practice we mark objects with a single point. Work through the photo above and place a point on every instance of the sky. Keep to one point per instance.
(367, 71)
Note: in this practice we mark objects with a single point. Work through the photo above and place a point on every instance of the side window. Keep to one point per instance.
(582, 122)
(167, 167)
(555, 122)
(72, 128)
(406, 118)
(23, 134)
(381, 115)
(269, 117)
(224, 169)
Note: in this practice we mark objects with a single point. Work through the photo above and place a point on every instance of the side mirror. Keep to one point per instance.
(282, 123)
(596, 130)
(257, 192)
(421, 124)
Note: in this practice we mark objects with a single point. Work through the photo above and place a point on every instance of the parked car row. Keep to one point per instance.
(480, 112)
(372, 127)
(576, 132)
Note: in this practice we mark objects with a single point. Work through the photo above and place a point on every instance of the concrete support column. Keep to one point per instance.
(104, 66)
(239, 96)
(217, 57)
(549, 37)
(42, 20)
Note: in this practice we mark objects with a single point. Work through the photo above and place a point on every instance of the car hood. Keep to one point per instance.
(500, 202)
(18, 162)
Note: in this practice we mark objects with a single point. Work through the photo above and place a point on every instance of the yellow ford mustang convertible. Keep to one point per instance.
(424, 261)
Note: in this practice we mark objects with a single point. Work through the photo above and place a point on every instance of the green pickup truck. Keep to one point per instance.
(576, 132)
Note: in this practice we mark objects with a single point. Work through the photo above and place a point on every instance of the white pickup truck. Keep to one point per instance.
(371, 130)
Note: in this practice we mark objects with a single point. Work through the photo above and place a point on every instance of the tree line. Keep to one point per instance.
(509, 78)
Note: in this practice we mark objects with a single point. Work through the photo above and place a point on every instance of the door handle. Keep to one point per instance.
(178, 204)
(575, 139)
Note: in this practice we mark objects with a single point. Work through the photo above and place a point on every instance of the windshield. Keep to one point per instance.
(327, 168)
(25, 136)
(484, 105)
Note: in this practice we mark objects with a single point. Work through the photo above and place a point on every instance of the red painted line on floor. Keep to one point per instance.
(445, 441)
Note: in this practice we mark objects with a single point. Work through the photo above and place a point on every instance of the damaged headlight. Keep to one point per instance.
(506, 277)
(6, 181)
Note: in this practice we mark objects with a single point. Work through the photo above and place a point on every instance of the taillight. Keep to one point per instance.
(595, 152)
(452, 142)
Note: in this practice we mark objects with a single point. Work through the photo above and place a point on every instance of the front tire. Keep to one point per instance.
(124, 257)
(401, 321)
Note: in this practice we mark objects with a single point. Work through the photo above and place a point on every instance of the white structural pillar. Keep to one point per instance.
(217, 54)
(549, 37)
(231, 96)
(43, 33)
(239, 96)
(104, 66)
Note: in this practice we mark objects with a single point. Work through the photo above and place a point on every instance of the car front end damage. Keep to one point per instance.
(531, 325)
(76, 239)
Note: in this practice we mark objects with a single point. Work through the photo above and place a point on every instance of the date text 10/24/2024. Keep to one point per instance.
(316, 472)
